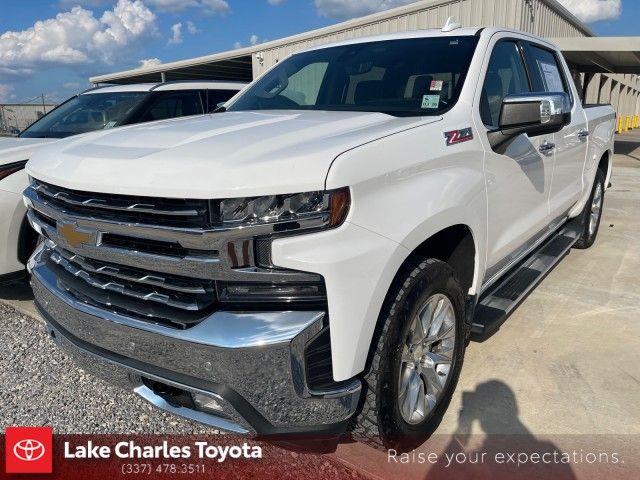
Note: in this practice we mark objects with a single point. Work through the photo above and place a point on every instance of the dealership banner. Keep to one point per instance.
(36, 452)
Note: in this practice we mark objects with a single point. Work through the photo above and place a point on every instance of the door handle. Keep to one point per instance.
(583, 133)
(547, 147)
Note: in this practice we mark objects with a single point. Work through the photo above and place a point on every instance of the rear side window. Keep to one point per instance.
(545, 71)
(506, 75)
(172, 104)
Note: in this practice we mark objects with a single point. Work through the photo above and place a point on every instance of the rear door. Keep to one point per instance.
(548, 75)
(519, 173)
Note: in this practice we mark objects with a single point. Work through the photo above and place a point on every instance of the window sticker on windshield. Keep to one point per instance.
(436, 85)
(430, 101)
(110, 124)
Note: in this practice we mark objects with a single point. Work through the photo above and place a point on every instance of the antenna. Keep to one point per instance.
(452, 24)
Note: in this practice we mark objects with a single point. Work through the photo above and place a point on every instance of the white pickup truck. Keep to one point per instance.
(316, 258)
(99, 108)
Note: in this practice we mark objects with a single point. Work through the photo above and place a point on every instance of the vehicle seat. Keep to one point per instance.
(422, 86)
(367, 91)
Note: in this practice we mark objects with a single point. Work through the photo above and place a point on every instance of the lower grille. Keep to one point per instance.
(175, 301)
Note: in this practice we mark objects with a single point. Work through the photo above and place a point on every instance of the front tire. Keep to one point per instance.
(592, 213)
(417, 358)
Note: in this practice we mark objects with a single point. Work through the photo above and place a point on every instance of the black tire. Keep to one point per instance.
(588, 236)
(379, 422)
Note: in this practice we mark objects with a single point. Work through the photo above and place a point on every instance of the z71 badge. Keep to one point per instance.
(458, 136)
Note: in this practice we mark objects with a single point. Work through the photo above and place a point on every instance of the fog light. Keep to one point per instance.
(206, 403)
(265, 292)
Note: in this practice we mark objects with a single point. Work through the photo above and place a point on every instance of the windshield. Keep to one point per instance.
(417, 76)
(86, 113)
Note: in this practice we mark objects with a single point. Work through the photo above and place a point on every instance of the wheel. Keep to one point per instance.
(416, 360)
(592, 213)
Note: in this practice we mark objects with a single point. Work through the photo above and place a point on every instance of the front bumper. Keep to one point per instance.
(252, 364)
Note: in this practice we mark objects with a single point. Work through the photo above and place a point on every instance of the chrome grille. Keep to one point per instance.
(166, 211)
(175, 300)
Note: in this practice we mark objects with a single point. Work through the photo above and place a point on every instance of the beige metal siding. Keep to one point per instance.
(533, 16)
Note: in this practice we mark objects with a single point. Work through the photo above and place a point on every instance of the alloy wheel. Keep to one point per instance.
(596, 209)
(426, 360)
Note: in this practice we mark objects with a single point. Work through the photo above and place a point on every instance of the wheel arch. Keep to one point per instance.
(455, 244)
(605, 164)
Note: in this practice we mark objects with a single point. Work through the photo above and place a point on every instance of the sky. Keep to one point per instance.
(52, 47)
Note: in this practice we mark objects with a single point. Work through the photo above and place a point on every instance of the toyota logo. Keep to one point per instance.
(29, 450)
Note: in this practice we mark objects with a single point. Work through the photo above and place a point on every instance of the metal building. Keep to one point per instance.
(605, 68)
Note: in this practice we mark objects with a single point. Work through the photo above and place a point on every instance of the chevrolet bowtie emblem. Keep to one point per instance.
(76, 236)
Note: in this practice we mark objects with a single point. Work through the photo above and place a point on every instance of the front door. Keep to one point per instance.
(519, 174)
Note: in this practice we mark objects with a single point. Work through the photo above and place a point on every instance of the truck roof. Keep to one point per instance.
(168, 86)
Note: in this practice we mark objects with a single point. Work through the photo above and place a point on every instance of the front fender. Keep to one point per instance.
(404, 189)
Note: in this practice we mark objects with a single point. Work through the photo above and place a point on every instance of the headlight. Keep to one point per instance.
(11, 168)
(309, 209)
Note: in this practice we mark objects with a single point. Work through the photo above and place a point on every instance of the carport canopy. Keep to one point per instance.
(584, 54)
(601, 54)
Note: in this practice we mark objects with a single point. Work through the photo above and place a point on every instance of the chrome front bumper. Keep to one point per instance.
(251, 364)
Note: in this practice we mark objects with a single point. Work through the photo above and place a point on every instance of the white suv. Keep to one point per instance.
(96, 109)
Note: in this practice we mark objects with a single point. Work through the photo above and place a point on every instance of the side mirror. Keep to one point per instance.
(533, 114)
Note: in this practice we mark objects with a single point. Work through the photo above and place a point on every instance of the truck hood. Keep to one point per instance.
(14, 149)
(229, 154)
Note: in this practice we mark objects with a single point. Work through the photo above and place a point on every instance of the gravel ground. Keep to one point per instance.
(40, 385)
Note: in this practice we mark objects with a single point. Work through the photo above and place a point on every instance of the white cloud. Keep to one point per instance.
(172, 5)
(253, 40)
(220, 7)
(71, 85)
(355, 8)
(5, 92)
(78, 37)
(208, 6)
(191, 28)
(590, 11)
(176, 34)
(150, 62)
(275, 2)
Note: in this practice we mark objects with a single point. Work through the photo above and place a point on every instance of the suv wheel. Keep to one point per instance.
(417, 358)
(592, 213)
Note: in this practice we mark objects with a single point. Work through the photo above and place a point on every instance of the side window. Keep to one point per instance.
(506, 75)
(171, 105)
(545, 71)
